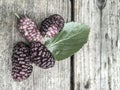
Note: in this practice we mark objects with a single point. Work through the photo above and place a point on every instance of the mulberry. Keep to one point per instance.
(52, 25)
(21, 66)
(29, 29)
(41, 56)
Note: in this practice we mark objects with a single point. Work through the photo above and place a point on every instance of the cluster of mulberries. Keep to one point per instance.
(35, 51)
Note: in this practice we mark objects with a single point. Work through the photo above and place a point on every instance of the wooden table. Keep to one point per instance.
(95, 67)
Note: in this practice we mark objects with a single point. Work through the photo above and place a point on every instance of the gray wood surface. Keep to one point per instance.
(57, 78)
(87, 60)
(96, 66)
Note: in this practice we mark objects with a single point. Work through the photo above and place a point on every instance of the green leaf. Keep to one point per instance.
(73, 36)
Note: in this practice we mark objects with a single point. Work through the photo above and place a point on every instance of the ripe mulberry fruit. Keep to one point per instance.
(21, 66)
(29, 29)
(41, 56)
(52, 25)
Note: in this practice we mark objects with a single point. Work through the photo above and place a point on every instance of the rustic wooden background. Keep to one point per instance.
(95, 67)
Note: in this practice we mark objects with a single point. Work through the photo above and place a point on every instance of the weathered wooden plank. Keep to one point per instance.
(57, 78)
(111, 43)
(97, 65)
(87, 60)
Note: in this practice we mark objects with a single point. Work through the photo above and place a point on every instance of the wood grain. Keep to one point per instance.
(57, 78)
(111, 46)
(97, 64)
(87, 60)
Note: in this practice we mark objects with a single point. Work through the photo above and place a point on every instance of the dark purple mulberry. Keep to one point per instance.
(21, 66)
(52, 25)
(29, 29)
(41, 56)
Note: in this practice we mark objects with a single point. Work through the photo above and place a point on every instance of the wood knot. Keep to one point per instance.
(87, 85)
(101, 4)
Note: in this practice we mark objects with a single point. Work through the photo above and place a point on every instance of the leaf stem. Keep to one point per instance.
(17, 15)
